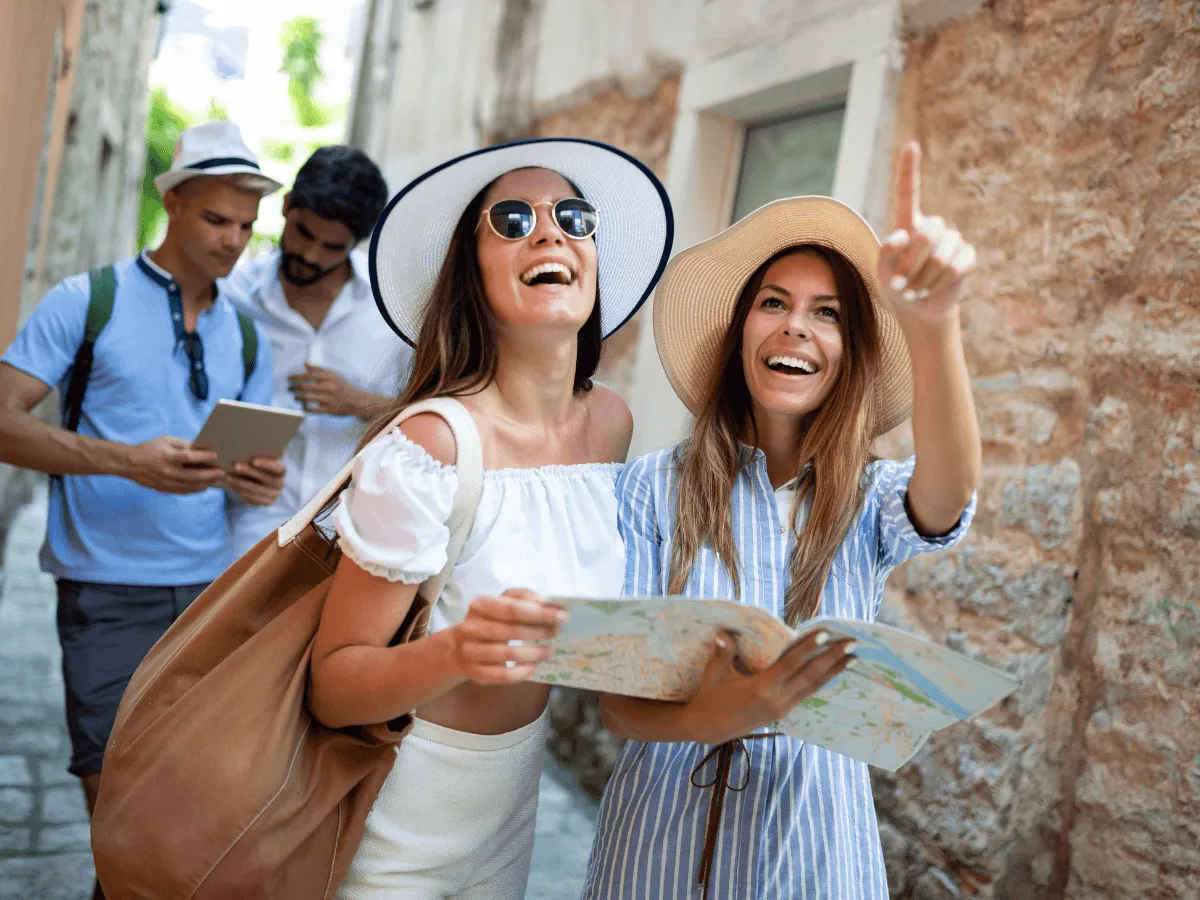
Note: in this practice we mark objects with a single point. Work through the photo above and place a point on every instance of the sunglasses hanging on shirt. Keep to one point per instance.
(192, 346)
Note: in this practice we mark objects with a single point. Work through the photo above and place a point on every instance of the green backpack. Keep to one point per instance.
(102, 292)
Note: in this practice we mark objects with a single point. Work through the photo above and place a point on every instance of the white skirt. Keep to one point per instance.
(455, 818)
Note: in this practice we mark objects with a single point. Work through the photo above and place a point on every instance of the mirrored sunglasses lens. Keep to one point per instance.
(576, 217)
(512, 219)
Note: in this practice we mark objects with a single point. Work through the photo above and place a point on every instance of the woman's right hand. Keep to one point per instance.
(729, 703)
(481, 647)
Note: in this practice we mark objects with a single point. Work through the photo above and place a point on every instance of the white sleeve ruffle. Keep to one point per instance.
(391, 520)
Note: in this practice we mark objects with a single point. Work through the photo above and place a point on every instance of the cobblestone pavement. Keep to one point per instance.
(43, 819)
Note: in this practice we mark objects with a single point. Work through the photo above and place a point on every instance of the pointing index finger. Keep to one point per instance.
(908, 187)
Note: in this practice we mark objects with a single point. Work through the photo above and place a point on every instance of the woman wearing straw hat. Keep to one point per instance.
(795, 342)
(507, 268)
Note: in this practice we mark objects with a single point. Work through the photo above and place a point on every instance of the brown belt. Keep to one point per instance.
(719, 784)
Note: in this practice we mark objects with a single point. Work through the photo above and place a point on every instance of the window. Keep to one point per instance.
(787, 158)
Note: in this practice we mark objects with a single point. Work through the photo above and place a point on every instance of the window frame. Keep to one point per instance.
(809, 112)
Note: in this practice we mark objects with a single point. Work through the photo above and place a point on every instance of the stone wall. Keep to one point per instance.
(1063, 137)
(94, 218)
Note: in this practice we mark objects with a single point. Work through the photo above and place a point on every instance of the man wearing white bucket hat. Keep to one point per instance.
(141, 352)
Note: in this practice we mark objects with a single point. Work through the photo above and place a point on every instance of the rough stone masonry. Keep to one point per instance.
(1063, 137)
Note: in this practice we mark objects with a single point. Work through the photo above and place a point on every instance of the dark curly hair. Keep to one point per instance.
(341, 184)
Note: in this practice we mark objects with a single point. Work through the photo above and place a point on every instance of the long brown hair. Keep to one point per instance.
(456, 352)
(836, 444)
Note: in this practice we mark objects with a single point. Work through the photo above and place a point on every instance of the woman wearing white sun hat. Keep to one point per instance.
(795, 341)
(506, 268)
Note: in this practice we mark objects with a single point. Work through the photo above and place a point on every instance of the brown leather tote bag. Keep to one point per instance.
(217, 780)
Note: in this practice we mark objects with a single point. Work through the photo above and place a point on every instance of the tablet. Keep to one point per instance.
(239, 431)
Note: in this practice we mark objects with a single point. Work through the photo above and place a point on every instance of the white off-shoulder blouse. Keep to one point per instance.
(552, 529)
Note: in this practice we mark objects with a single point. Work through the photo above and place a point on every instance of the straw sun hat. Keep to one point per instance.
(700, 288)
(633, 239)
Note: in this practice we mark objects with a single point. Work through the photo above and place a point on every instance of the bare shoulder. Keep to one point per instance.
(432, 433)
(610, 415)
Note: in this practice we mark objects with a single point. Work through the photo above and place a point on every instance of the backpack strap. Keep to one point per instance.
(249, 348)
(468, 467)
(102, 292)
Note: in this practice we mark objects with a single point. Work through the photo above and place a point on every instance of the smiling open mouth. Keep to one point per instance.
(548, 273)
(790, 365)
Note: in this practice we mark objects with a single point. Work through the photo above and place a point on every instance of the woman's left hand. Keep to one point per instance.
(923, 261)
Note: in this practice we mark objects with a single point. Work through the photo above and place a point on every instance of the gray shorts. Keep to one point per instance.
(106, 630)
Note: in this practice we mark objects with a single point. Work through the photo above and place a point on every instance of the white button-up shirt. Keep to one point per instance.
(353, 341)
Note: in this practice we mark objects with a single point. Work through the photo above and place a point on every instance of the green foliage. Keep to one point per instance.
(216, 111)
(280, 151)
(300, 40)
(260, 245)
(164, 123)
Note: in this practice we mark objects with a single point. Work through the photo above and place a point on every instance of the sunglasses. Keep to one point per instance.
(195, 354)
(514, 220)
(192, 346)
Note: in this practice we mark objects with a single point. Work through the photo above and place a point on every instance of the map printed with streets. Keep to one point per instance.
(904, 689)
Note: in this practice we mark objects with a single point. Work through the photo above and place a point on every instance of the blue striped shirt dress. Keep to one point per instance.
(804, 826)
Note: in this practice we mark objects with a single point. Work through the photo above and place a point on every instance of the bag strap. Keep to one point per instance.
(468, 467)
(249, 348)
(102, 292)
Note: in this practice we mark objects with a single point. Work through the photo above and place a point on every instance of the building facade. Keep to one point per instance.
(1062, 137)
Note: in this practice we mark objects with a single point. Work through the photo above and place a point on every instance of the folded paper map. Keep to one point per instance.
(882, 712)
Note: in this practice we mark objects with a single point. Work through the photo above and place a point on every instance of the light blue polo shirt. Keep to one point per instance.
(107, 529)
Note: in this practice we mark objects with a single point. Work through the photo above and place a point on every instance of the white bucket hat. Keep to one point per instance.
(633, 240)
(214, 148)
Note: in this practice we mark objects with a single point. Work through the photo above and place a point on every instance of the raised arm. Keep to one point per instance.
(922, 265)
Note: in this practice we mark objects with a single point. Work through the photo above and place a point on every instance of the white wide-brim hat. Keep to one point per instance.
(214, 148)
(694, 305)
(633, 239)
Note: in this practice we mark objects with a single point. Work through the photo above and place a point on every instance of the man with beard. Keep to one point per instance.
(334, 357)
